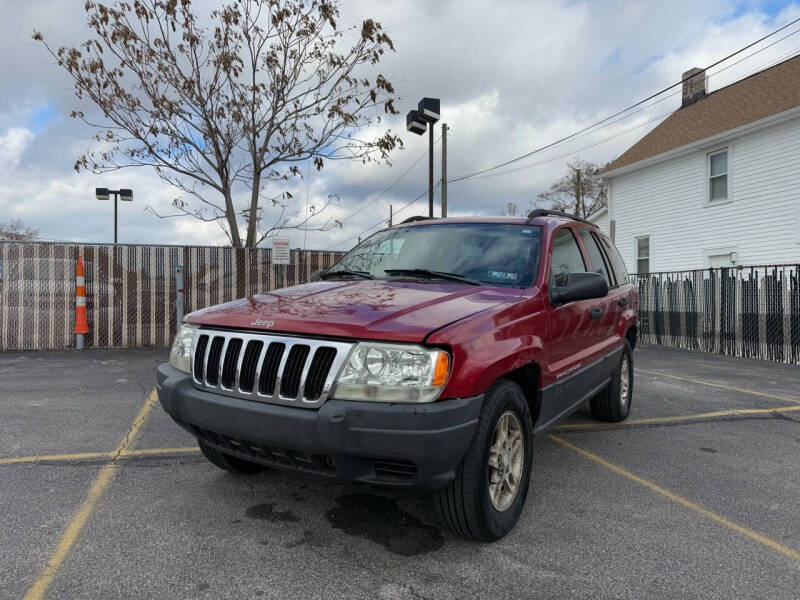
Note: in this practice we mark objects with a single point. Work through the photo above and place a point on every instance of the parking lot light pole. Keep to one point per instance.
(124, 194)
(417, 121)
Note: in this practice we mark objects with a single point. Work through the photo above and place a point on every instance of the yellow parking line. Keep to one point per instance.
(160, 451)
(54, 457)
(15, 460)
(704, 512)
(719, 385)
(736, 412)
(101, 482)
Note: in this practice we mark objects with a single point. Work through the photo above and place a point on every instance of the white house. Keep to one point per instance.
(718, 182)
(601, 219)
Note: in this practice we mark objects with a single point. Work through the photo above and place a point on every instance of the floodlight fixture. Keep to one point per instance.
(428, 110)
(415, 123)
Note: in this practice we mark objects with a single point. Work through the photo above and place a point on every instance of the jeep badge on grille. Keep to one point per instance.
(262, 323)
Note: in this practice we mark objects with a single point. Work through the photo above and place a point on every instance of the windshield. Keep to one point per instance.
(487, 253)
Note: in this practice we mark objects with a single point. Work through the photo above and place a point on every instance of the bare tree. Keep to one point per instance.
(580, 192)
(237, 108)
(17, 231)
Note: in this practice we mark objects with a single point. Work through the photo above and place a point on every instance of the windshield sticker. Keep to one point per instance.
(527, 231)
(504, 275)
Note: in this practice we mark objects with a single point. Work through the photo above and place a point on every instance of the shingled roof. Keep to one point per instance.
(768, 92)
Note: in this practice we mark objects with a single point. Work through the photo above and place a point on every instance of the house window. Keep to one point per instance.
(718, 176)
(643, 255)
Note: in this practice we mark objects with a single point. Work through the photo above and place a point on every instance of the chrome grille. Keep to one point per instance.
(267, 368)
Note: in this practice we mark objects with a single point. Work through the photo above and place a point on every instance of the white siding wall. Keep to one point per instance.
(667, 201)
(601, 220)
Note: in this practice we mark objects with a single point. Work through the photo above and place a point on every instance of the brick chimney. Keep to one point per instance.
(694, 86)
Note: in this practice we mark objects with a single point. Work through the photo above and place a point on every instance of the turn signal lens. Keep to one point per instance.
(441, 369)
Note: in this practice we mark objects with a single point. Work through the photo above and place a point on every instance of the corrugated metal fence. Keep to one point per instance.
(130, 290)
(750, 312)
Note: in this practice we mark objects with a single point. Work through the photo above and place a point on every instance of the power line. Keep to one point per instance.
(659, 117)
(390, 186)
(352, 237)
(597, 143)
(618, 113)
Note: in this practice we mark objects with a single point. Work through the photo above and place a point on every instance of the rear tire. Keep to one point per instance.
(613, 403)
(234, 464)
(486, 498)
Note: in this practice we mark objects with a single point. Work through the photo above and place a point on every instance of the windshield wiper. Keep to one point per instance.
(330, 274)
(429, 273)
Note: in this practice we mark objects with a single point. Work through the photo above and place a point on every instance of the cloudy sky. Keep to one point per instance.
(511, 75)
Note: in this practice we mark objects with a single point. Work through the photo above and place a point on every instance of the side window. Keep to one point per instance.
(643, 255)
(596, 256)
(567, 257)
(718, 176)
(616, 260)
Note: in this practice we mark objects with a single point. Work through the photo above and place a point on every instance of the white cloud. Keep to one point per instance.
(12, 145)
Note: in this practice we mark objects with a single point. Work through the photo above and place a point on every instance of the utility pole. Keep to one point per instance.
(390, 215)
(578, 194)
(444, 170)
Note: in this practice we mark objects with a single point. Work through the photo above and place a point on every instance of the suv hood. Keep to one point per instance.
(366, 309)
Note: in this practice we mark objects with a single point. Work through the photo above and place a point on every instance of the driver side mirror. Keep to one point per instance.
(579, 286)
(316, 275)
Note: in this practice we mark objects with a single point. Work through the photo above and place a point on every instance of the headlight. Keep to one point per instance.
(393, 373)
(180, 356)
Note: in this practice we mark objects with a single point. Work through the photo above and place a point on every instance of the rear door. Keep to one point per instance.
(611, 309)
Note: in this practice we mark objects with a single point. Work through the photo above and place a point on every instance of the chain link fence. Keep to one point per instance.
(130, 290)
(751, 312)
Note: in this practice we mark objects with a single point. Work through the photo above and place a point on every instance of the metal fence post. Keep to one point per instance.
(179, 294)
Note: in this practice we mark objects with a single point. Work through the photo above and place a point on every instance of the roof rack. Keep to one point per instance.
(416, 218)
(544, 212)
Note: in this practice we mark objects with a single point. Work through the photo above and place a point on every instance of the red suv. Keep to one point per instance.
(430, 356)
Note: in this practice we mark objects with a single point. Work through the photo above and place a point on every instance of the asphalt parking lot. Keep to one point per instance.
(696, 496)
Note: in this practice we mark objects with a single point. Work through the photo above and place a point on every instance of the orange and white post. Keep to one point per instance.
(81, 324)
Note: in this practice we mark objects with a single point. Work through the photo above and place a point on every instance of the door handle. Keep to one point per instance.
(622, 302)
(596, 313)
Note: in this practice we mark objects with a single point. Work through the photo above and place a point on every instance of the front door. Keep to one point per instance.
(574, 331)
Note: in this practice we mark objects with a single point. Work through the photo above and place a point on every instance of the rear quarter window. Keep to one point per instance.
(616, 260)
(599, 264)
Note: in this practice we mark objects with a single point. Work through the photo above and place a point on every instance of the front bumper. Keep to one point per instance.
(416, 445)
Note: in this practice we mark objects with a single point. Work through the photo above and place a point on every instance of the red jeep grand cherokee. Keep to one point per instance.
(430, 355)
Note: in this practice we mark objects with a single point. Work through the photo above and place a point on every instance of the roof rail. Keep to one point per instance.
(545, 212)
(416, 218)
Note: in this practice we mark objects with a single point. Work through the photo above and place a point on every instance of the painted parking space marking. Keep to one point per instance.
(159, 451)
(78, 456)
(81, 516)
(700, 510)
(16, 460)
(721, 386)
(678, 419)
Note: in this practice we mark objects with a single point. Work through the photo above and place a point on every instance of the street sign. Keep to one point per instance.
(280, 252)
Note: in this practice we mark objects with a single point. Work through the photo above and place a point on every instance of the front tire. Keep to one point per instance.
(234, 464)
(613, 403)
(485, 500)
